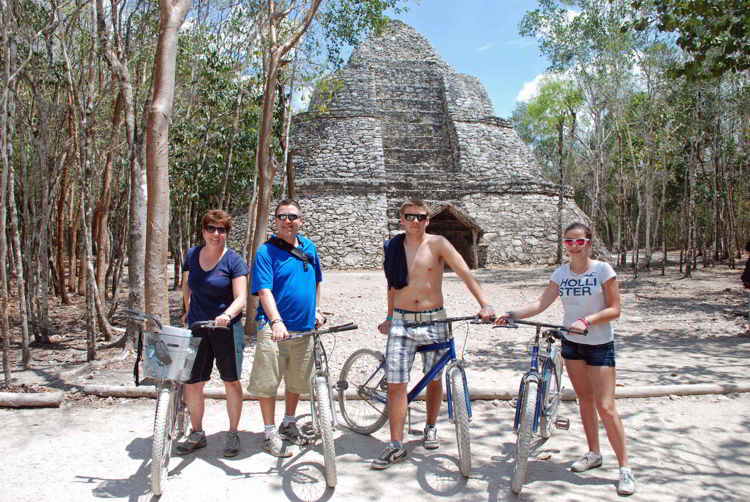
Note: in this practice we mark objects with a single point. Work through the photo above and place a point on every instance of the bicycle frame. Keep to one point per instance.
(537, 376)
(447, 361)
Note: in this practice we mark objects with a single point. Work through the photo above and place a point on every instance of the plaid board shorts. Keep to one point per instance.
(402, 343)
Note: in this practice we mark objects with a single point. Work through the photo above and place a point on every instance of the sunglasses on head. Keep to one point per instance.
(413, 217)
(290, 217)
(577, 242)
(211, 229)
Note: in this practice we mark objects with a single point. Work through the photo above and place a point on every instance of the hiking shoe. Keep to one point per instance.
(231, 444)
(275, 446)
(429, 438)
(588, 461)
(291, 433)
(626, 485)
(196, 440)
(391, 455)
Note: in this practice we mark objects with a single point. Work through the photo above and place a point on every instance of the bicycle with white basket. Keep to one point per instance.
(168, 356)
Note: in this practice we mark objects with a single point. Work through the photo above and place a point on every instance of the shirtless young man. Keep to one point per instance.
(414, 266)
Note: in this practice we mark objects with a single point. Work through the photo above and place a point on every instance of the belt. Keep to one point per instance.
(427, 315)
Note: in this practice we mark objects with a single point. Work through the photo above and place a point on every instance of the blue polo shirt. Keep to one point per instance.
(211, 290)
(292, 287)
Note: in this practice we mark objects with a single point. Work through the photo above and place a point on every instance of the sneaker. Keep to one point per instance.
(231, 444)
(196, 440)
(391, 455)
(429, 439)
(291, 433)
(588, 461)
(275, 446)
(626, 485)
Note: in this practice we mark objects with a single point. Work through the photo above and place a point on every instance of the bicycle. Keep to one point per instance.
(365, 407)
(324, 420)
(540, 389)
(170, 353)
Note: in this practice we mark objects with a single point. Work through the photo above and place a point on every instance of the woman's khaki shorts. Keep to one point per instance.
(288, 359)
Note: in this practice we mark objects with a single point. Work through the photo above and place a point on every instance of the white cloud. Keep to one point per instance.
(484, 47)
(301, 98)
(529, 89)
(572, 14)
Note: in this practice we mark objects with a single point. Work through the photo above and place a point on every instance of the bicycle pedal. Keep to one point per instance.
(562, 423)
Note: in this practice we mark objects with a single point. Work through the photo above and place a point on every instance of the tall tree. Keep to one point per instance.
(171, 15)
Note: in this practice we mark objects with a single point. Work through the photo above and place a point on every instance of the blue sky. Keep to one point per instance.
(480, 38)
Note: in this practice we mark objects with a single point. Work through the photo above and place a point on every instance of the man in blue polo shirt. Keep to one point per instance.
(286, 277)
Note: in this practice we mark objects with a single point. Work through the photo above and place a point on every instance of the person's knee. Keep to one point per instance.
(396, 388)
(606, 409)
(233, 386)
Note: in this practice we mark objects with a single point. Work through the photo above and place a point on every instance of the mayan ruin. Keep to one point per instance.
(397, 122)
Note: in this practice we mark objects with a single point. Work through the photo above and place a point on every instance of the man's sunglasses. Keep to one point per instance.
(412, 217)
(290, 217)
(577, 242)
(211, 229)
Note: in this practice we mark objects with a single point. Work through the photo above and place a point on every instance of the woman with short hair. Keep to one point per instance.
(214, 287)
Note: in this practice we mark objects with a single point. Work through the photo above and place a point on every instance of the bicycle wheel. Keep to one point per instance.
(325, 424)
(551, 397)
(363, 377)
(161, 445)
(461, 421)
(525, 431)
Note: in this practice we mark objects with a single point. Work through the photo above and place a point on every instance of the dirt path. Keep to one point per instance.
(682, 449)
(671, 331)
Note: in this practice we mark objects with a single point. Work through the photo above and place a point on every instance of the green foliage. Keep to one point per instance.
(346, 22)
(715, 33)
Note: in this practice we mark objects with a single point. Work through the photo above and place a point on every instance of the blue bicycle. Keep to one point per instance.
(539, 394)
(363, 390)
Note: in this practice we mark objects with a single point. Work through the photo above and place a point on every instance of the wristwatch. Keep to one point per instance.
(277, 320)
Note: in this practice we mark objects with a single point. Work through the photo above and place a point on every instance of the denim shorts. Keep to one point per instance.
(594, 355)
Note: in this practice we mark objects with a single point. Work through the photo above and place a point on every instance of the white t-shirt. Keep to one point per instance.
(582, 295)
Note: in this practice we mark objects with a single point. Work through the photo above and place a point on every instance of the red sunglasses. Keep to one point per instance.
(577, 242)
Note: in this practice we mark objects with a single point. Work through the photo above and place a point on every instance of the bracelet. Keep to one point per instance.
(227, 314)
(277, 320)
(389, 318)
(585, 322)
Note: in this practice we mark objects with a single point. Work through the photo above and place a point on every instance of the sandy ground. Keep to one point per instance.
(671, 331)
(682, 449)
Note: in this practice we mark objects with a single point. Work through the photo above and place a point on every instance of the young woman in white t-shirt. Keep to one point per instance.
(591, 299)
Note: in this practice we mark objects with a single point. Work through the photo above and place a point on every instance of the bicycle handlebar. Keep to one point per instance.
(512, 323)
(474, 319)
(333, 329)
(206, 325)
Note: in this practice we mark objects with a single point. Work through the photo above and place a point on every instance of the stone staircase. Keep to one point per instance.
(416, 142)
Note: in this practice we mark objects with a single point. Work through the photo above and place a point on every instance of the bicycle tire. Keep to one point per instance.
(325, 424)
(551, 398)
(161, 444)
(362, 373)
(525, 432)
(461, 421)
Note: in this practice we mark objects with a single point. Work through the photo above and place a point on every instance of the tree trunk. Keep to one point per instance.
(223, 202)
(157, 230)
(101, 219)
(560, 188)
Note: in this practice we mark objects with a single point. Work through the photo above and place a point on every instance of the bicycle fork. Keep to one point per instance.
(449, 388)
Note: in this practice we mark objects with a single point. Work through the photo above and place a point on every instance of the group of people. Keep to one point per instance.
(287, 277)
